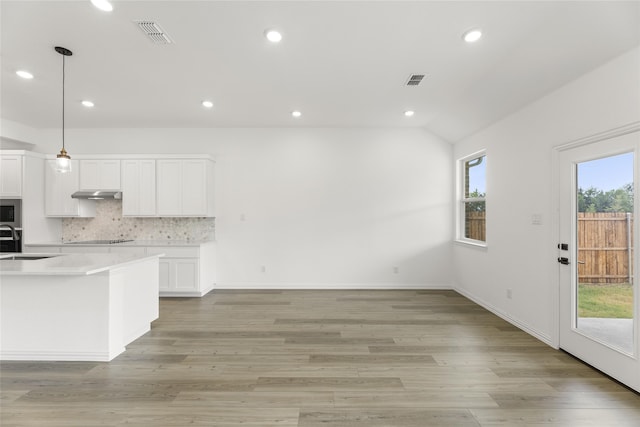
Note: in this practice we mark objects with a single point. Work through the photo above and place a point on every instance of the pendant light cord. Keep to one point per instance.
(63, 58)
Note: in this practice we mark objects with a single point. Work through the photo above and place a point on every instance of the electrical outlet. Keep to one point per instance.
(263, 269)
(509, 293)
(396, 270)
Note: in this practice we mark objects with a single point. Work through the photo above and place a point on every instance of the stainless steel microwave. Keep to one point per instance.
(11, 212)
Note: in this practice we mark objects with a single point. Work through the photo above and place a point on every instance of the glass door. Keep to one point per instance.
(598, 300)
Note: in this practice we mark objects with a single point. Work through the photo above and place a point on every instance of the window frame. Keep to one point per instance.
(462, 201)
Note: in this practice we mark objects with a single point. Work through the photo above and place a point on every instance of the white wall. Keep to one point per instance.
(13, 133)
(522, 256)
(315, 207)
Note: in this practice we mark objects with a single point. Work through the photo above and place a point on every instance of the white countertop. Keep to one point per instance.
(176, 243)
(66, 264)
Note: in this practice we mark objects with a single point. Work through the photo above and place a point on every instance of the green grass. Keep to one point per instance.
(611, 301)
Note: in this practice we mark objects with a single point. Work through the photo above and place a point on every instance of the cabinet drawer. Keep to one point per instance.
(40, 249)
(136, 250)
(72, 249)
(174, 252)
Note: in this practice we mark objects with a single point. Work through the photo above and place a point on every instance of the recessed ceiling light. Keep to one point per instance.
(24, 74)
(88, 104)
(103, 5)
(409, 113)
(273, 36)
(207, 104)
(296, 114)
(472, 36)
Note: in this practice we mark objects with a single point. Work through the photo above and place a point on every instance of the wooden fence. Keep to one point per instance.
(475, 226)
(605, 247)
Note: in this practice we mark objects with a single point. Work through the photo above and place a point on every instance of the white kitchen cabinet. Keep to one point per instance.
(22, 176)
(138, 187)
(58, 190)
(179, 272)
(178, 276)
(11, 176)
(186, 271)
(169, 189)
(185, 187)
(100, 174)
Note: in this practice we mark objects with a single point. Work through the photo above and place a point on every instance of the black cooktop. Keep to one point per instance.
(100, 242)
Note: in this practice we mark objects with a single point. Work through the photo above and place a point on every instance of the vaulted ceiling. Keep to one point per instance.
(340, 63)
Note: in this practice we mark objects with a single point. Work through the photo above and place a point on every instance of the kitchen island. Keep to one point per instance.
(187, 269)
(70, 307)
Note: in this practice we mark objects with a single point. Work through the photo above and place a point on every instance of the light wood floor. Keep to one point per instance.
(321, 358)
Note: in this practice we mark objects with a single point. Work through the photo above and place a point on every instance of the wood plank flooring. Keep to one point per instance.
(320, 358)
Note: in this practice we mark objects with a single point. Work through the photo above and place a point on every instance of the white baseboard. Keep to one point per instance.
(57, 356)
(332, 286)
(180, 294)
(545, 338)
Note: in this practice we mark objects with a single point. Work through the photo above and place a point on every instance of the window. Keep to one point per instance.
(472, 208)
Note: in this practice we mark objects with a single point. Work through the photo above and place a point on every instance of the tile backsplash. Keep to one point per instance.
(110, 224)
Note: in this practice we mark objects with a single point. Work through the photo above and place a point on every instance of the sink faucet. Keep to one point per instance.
(14, 235)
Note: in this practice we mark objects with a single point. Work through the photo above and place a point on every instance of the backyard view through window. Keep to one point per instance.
(605, 224)
(473, 203)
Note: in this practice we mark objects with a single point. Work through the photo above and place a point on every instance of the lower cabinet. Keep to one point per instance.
(179, 275)
(185, 271)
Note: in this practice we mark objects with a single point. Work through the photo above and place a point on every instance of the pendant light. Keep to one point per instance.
(63, 160)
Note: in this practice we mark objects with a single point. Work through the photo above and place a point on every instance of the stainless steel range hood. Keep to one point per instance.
(97, 194)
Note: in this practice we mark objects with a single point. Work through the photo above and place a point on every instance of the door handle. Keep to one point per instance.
(563, 260)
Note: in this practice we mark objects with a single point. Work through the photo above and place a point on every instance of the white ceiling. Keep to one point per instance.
(343, 64)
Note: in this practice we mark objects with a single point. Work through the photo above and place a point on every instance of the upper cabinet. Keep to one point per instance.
(139, 188)
(153, 186)
(185, 187)
(11, 176)
(100, 175)
(58, 190)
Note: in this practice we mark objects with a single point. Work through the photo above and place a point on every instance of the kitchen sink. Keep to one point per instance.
(26, 257)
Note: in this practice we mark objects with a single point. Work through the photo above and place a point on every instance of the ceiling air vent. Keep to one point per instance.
(154, 32)
(415, 79)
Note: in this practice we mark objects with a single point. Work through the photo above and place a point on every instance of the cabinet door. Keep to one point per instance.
(165, 277)
(147, 187)
(179, 275)
(59, 188)
(130, 187)
(185, 274)
(139, 187)
(169, 187)
(110, 175)
(194, 187)
(90, 175)
(100, 174)
(11, 176)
